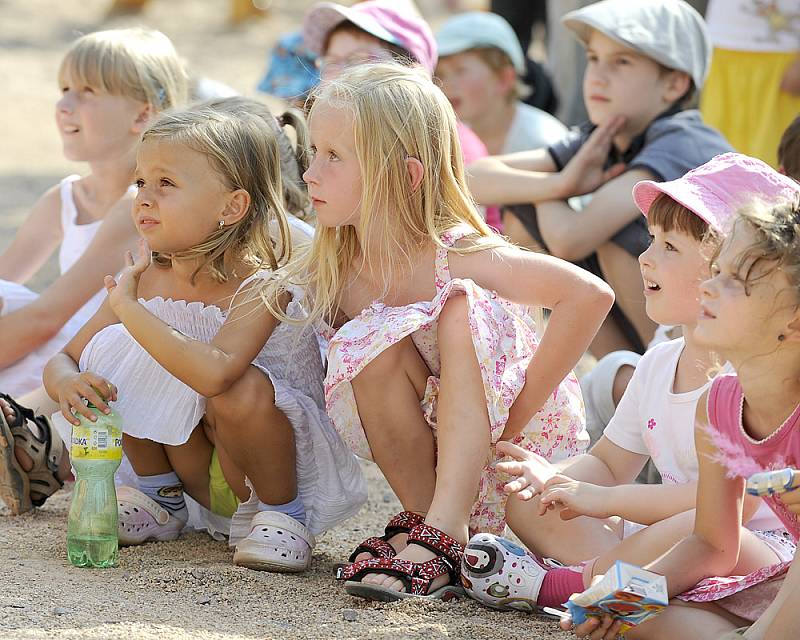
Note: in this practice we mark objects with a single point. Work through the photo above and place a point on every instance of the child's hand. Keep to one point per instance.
(792, 497)
(531, 470)
(605, 628)
(574, 498)
(126, 288)
(94, 388)
(584, 173)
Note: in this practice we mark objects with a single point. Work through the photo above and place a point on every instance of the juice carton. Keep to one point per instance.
(626, 592)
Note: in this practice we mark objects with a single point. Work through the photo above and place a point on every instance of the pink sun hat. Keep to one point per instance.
(397, 22)
(716, 189)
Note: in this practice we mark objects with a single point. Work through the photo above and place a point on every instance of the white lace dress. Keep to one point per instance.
(155, 405)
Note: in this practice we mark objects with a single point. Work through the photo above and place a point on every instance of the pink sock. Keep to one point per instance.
(558, 586)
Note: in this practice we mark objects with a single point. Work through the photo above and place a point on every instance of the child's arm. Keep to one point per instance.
(515, 178)
(209, 369)
(67, 385)
(605, 464)
(713, 547)
(35, 241)
(579, 302)
(26, 329)
(530, 176)
(574, 235)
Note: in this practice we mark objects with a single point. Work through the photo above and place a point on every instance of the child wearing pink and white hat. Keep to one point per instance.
(687, 218)
(379, 31)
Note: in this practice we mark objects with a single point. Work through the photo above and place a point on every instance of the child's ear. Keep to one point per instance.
(792, 330)
(677, 85)
(237, 207)
(508, 79)
(415, 172)
(143, 118)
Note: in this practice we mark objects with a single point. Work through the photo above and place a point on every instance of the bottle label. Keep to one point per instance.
(96, 442)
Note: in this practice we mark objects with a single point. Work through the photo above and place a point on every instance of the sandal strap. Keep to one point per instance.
(403, 522)
(379, 547)
(436, 540)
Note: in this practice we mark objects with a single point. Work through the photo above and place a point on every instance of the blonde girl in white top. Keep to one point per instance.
(215, 394)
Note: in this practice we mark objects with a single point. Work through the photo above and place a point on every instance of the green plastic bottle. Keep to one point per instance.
(96, 452)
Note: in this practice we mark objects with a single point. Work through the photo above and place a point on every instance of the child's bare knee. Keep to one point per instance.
(247, 395)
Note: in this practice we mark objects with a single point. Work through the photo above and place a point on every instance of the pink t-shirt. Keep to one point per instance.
(472, 149)
(742, 454)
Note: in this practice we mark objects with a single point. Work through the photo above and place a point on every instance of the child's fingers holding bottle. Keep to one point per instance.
(85, 385)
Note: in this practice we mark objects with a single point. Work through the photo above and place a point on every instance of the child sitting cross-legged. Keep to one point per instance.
(589, 513)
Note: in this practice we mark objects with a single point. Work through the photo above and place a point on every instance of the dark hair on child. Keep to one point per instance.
(789, 150)
(669, 215)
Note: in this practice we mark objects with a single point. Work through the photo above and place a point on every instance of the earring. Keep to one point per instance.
(781, 337)
(221, 224)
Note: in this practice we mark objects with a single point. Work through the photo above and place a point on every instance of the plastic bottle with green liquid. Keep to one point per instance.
(96, 452)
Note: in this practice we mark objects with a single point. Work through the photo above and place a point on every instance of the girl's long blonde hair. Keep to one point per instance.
(140, 64)
(397, 113)
(244, 151)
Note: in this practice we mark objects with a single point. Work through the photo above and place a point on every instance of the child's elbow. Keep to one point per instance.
(601, 296)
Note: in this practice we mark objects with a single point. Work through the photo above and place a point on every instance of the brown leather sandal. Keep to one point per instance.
(22, 490)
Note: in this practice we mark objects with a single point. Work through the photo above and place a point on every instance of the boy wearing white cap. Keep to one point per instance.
(645, 59)
(480, 63)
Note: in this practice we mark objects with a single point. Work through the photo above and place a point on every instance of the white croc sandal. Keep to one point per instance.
(277, 542)
(142, 519)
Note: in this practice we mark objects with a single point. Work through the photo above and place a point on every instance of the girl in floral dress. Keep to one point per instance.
(433, 356)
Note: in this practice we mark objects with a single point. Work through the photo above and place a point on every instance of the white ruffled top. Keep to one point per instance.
(155, 405)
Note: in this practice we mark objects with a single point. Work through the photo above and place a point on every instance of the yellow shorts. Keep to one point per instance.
(223, 500)
(742, 98)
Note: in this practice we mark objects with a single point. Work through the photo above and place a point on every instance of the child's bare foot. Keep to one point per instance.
(397, 542)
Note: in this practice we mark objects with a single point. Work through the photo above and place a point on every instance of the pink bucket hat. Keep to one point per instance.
(716, 189)
(396, 22)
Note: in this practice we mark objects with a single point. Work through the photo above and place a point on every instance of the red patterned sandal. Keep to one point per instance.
(417, 577)
(379, 547)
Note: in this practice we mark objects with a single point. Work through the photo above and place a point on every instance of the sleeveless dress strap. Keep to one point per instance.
(69, 212)
(449, 237)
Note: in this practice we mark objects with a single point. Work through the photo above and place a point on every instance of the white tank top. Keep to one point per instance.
(76, 239)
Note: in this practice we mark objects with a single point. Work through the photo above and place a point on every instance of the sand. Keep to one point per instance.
(187, 588)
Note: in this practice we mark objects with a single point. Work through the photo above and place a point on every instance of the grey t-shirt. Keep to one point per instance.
(673, 144)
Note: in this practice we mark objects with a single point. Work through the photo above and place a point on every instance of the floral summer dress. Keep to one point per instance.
(505, 341)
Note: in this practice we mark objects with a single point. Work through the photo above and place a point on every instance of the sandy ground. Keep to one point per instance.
(188, 588)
